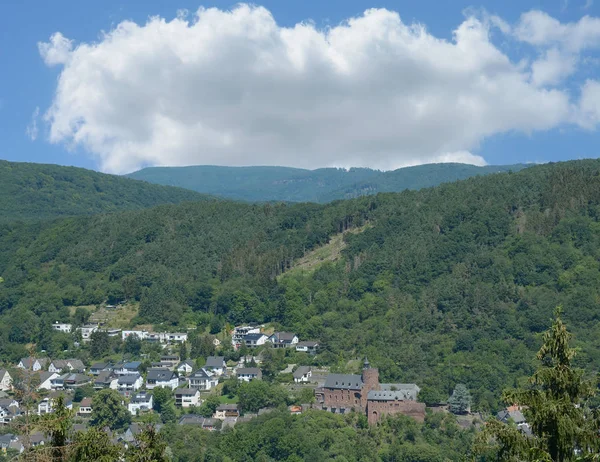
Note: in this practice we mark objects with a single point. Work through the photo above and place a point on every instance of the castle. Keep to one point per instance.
(363, 393)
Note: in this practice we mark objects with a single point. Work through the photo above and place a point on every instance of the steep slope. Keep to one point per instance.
(445, 285)
(34, 191)
(297, 185)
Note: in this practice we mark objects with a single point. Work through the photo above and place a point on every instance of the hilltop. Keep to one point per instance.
(34, 191)
(260, 184)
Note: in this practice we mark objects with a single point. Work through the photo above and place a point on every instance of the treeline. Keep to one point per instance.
(446, 285)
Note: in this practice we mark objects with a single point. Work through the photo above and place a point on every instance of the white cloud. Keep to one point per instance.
(589, 105)
(32, 129)
(553, 67)
(234, 88)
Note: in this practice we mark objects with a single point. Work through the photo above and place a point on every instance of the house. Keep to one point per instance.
(176, 337)
(69, 381)
(514, 414)
(202, 380)
(140, 402)
(254, 340)
(283, 339)
(238, 334)
(46, 406)
(60, 365)
(106, 379)
(308, 346)
(185, 367)
(141, 334)
(216, 365)
(129, 368)
(9, 409)
(127, 384)
(45, 380)
(302, 374)
(5, 380)
(111, 332)
(224, 411)
(161, 378)
(134, 430)
(33, 364)
(96, 368)
(11, 441)
(62, 327)
(187, 397)
(87, 331)
(248, 373)
(85, 408)
(295, 410)
(193, 419)
(363, 393)
(169, 361)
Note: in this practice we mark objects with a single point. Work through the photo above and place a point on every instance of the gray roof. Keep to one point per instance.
(215, 361)
(133, 365)
(191, 419)
(186, 391)
(344, 382)
(248, 371)
(141, 397)
(386, 395)
(129, 379)
(199, 374)
(160, 374)
(227, 407)
(302, 370)
(307, 343)
(253, 336)
(284, 337)
(189, 362)
(99, 366)
(516, 416)
(411, 390)
(105, 377)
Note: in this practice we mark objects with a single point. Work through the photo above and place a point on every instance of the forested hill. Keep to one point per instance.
(261, 184)
(446, 285)
(34, 191)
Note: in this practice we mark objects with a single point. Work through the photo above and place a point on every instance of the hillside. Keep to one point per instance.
(260, 184)
(34, 191)
(445, 285)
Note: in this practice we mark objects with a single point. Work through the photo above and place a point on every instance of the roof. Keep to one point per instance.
(191, 419)
(99, 366)
(160, 374)
(45, 375)
(187, 391)
(307, 343)
(169, 357)
(387, 395)
(129, 379)
(284, 337)
(227, 407)
(105, 377)
(215, 361)
(132, 365)
(344, 382)
(411, 390)
(200, 374)
(86, 402)
(3, 372)
(76, 364)
(141, 397)
(254, 336)
(516, 416)
(28, 362)
(248, 371)
(189, 362)
(302, 370)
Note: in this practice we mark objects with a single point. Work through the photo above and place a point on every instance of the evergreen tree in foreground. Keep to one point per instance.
(563, 426)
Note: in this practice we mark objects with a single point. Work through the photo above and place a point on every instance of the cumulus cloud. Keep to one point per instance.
(235, 88)
(32, 129)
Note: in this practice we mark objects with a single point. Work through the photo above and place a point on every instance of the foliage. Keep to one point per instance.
(161, 397)
(460, 401)
(99, 344)
(209, 405)
(555, 405)
(109, 411)
(257, 394)
(149, 446)
(95, 445)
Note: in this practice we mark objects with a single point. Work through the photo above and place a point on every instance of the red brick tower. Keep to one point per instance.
(370, 378)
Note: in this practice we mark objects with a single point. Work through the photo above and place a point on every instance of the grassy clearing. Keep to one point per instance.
(116, 318)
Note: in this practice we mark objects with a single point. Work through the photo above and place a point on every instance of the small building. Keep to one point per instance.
(87, 331)
(307, 346)
(141, 334)
(45, 380)
(5, 380)
(62, 327)
(247, 374)
(202, 380)
(106, 379)
(111, 332)
(129, 368)
(187, 397)
(46, 406)
(66, 365)
(185, 367)
(240, 332)
(96, 368)
(85, 408)
(203, 422)
(283, 339)
(140, 402)
(254, 340)
(302, 374)
(128, 384)
(216, 365)
(9, 409)
(175, 337)
(224, 411)
(169, 361)
(161, 378)
(33, 364)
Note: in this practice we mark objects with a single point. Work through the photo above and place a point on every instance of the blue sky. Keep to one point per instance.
(27, 83)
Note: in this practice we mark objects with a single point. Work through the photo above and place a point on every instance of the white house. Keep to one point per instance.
(130, 368)
(216, 365)
(302, 374)
(161, 378)
(141, 334)
(254, 340)
(32, 364)
(225, 411)
(87, 331)
(62, 327)
(85, 407)
(175, 337)
(5, 380)
(202, 380)
(46, 406)
(307, 347)
(238, 334)
(9, 409)
(187, 397)
(185, 367)
(106, 379)
(127, 384)
(46, 380)
(141, 401)
(283, 339)
(248, 373)
(59, 365)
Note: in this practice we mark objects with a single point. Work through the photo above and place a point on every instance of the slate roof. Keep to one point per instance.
(105, 377)
(163, 375)
(141, 397)
(386, 395)
(200, 374)
(189, 362)
(307, 343)
(191, 419)
(99, 366)
(516, 416)
(411, 390)
(344, 382)
(227, 407)
(302, 370)
(132, 366)
(215, 361)
(253, 336)
(186, 391)
(128, 379)
(248, 371)
(86, 402)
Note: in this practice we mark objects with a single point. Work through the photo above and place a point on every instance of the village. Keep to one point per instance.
(204, 391)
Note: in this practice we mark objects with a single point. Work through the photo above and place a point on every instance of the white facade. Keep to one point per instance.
(238, 334)
(140, 402)
(141, 334)
(187, 397)
(87, 331)
(130, 383)
(5, 380)
(46, 379)
(62, 327)
(46, 406)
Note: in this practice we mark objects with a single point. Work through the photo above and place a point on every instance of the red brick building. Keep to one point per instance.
(363, 393)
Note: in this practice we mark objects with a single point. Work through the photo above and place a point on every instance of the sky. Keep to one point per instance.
(117, 86)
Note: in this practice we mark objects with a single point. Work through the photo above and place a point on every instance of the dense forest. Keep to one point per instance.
(33, 191)
(446, 285)
(261, 184)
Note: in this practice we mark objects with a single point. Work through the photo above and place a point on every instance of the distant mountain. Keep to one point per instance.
(299, 185)
(35, 191)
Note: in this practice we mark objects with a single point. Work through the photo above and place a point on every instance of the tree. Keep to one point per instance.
(95, 445)
(168, 414)
(161, 397)
(209, 406)
(99, 344)
(555, 406)
(132, 345)
(460, 401)
(149, 446)
(57, 426)
(256, 394)
(109, 411)
(183, 351)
